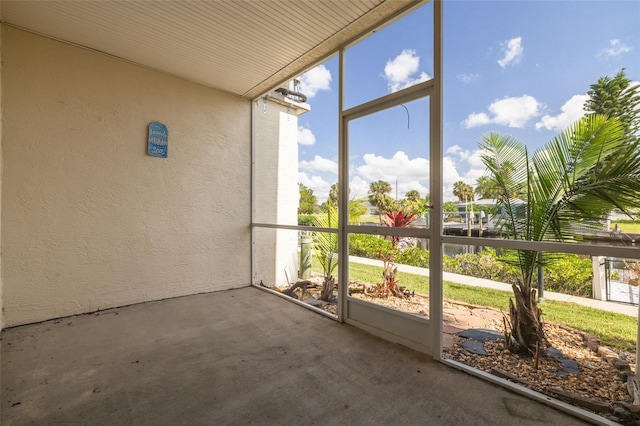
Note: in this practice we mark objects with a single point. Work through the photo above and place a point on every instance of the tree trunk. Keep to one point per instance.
(327, 288)
(526, 323)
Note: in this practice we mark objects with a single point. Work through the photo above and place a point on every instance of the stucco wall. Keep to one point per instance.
(91, 221)
(277, 192)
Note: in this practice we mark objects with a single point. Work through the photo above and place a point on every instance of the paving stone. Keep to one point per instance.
(447, 341)
(314, 302)
(451, 329)
(570, 366)
(481, 335)
(554, 353)
(474, 347)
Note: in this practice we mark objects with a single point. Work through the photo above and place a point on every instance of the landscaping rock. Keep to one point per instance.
(625, 374)
(474, 347)
(569, 366)
(619, 364)
(554, 353)
(481, 335)
(607, 353)
(593, 344)
(314, 302)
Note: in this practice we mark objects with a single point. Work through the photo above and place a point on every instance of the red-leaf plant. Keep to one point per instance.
(398, 219)
(395, 219)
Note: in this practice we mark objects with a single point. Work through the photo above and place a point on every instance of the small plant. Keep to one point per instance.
(325, 245)
(389, 285)
(579, 176)
(395, 219)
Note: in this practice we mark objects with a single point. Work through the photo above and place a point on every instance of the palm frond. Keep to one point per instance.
(325, 244)
(567, 186)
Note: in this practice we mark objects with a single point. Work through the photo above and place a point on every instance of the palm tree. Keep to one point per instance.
(413, 203)
(332, 200)
(486, 188)
(378, 197)
(325, 245)
(357, 208)
(543, 196)
(463, 191)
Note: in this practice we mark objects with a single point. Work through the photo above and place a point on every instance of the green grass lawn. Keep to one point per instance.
(628, 227)
(612, 329)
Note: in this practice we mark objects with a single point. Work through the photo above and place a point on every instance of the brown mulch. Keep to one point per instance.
(597, 380)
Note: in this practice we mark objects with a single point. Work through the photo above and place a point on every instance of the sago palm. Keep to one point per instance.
(574, 180)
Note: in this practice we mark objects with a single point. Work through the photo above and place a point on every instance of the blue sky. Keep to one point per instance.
(521, 68)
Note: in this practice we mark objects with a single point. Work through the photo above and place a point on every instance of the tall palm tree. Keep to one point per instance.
(463, 191)
(545, 195)
(378, 197)
(413, 203)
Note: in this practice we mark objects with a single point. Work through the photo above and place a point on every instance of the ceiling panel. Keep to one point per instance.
(241, 47)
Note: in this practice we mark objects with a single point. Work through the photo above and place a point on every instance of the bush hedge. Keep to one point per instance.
(565, 273)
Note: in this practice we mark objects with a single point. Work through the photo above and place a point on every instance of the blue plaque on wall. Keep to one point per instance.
(158, 140)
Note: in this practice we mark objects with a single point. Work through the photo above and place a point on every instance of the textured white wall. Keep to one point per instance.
(277, 192)
(89, 220)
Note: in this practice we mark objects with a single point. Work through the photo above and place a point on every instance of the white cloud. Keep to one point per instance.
(468, 78)
(453, 149)
(358, 187)
(571, 111)
(400, 167)
(476, 119)
(315, 80)
(320, 186)
(476, 167)
(458, 151)
(616, 48)
(400, 71)
(319, 165)
(513, 52)
(305, 136)
(458, 160)
(511, 112)
(409, 173)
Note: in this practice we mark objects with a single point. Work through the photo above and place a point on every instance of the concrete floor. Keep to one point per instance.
(237, 357)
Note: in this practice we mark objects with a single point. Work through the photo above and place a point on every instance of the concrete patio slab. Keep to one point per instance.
(237, 357)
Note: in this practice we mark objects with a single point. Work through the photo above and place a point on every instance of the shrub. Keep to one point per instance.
(370, 246)
(413, 256)
(565, 273)
(569, 274)
(306, 219)
(485, 264)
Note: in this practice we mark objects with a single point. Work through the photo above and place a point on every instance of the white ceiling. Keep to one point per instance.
(244, 47)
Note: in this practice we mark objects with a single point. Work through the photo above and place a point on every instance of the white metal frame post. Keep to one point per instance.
(435, 187)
